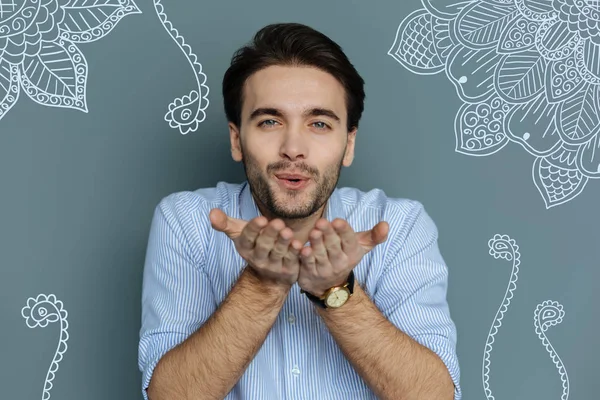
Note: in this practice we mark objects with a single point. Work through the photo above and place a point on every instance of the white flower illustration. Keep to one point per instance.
(527, 71)
(38, 48)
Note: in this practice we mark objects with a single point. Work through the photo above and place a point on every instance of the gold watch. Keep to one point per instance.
(334, 297)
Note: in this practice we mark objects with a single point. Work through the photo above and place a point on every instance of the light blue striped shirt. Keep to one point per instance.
(190, 268)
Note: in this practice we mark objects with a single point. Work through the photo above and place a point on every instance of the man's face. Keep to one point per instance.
(293, 125)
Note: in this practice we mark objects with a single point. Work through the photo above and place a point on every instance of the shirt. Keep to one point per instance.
(190, 268)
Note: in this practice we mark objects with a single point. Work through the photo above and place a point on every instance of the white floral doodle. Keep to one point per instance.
(41, 311)
(38, 48)
(547, 314)
(501, 246)
(527, 71)
(187, 112)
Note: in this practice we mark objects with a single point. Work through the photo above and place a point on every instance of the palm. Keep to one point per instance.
(233, 228)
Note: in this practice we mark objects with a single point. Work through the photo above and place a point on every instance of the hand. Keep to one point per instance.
(268, 247)
(334, 251)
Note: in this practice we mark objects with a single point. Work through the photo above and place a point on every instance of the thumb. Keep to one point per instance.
(221, 222)
(371, 238)
(380, 232)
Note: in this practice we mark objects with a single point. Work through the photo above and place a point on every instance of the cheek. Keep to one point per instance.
(262, 146)
(255, 157)
(328, 158)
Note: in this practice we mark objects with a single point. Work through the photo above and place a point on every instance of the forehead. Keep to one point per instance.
(293, 89)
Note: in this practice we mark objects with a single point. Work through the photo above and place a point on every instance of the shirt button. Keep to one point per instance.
(296, 371)
(291, 318)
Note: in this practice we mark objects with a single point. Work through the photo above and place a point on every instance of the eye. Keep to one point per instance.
(320, 125)
(268, 123)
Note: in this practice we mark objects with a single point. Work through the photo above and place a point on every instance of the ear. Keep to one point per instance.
(349, 155)
(236, 146)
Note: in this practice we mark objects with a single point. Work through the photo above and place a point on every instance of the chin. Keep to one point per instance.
(289, 209)
(290, 214)
(292, 199)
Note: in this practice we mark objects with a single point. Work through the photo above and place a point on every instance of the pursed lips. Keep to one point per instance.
(292, 177)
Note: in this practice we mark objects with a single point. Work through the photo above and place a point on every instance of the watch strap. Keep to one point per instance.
(320, 301)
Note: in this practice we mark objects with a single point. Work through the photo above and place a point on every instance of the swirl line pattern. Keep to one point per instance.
(40, 312)
(186, 112)
(500, 246)
(547, 314)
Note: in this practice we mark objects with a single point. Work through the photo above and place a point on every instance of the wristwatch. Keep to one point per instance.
(334, 297)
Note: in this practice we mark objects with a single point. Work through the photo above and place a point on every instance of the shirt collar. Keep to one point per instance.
(249, 209)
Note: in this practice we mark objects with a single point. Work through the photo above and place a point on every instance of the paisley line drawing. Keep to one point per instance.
(547, 314)
(187, 112)
(527, 72)
(501, 246)
(39, 55)
(41, 311)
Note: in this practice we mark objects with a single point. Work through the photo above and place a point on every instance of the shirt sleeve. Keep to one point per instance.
(411, 293)
(177, 297)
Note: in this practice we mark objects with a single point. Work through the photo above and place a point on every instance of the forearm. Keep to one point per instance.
(393, 364)
(212, 359)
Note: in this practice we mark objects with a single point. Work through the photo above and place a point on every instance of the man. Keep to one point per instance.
(284, 286)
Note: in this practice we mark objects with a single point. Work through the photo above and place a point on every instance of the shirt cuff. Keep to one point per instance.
(160, 345)
(147, 376)
(440, 345)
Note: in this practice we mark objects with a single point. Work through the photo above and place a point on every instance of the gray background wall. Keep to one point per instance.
(79, 183)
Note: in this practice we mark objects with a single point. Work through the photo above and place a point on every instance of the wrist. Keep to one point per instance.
(335, 296)
(322, 291)
(270, 285)
(257, 296)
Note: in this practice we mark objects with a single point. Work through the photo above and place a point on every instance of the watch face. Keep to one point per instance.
(337, 298)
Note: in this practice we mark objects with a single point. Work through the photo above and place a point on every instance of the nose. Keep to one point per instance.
(294, 144)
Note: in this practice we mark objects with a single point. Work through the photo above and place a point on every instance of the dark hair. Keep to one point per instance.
(291, 44)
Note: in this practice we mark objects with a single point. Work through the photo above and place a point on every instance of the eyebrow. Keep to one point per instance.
(312, 112)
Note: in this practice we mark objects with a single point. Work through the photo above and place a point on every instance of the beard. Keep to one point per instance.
(290, 204)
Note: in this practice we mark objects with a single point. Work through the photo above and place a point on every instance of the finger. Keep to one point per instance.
(266, 239)
(380, 232)
(347, 235)
(374, 236)
(307, 259)
(221, 222)
(318, 248)
(281, 245)
(291, 259)
(250, 233)
(218, 219)
(331, 240)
